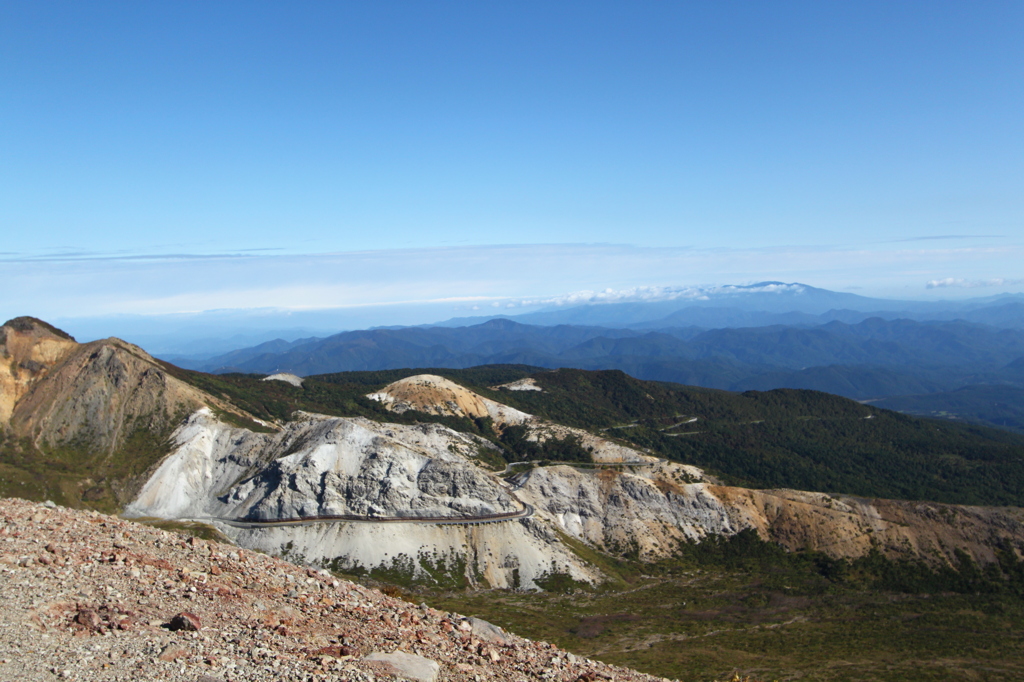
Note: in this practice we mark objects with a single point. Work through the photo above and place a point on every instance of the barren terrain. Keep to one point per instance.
(86, 596)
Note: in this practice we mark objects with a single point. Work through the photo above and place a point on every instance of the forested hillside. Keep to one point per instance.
(782, 438)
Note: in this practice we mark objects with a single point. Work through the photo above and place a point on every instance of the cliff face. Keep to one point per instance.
(322, 466)
(650, 509)
(646, 509)
(416, 501)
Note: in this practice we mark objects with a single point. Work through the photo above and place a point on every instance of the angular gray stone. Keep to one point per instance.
(409, 666)
(487, 631)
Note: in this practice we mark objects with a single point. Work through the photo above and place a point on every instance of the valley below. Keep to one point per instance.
(705, 623)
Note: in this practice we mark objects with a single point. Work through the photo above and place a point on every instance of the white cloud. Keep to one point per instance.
(450, 281)
(961, 283)
(656, 293)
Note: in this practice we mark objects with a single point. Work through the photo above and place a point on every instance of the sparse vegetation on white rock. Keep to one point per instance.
(436, 395)
(527, 384)
(320, 466)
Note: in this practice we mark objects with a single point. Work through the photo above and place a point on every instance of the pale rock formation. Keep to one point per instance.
(322, 466)
(650, 510)
(285, 377)
(509, 555)
(643, 509)
(527, 384)
(436, 395)
(408, 666)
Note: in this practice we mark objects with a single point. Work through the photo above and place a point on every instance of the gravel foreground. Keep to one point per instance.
(85, 596)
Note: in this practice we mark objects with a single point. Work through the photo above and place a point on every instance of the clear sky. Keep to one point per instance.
(160, 157)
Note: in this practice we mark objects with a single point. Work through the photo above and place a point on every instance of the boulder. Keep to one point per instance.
(185, 621)
(488, 632)
(408, 666)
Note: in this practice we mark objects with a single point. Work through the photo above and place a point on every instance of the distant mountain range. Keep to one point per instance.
(870, 359)
(766, 336)
(766, 303)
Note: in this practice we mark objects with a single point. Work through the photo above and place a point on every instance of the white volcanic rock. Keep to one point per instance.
(320, 466)
(646, 508)
(417, 502)
(285, 377)
(509, 555)
(323, 466)
(208, 457)
(527, 384)
(356, 466)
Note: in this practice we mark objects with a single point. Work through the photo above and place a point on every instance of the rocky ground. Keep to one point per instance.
(84, 596)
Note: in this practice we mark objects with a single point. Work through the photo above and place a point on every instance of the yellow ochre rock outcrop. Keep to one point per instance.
(29, 348)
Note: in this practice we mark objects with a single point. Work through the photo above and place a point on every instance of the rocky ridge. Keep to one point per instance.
(28, 350)
(86, 596)
(648, 511)
(58, 392)
(93, 416)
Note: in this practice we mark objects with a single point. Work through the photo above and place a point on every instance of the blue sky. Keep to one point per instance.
(176, 157)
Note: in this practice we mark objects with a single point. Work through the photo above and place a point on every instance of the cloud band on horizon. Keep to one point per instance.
(532, 274)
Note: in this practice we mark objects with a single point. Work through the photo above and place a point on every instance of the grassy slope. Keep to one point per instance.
(79, 476)
(748, 607)
(707, 625)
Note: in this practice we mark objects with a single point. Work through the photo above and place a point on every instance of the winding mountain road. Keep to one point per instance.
(526, 512)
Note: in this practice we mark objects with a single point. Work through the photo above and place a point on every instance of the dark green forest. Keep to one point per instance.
(789, 438)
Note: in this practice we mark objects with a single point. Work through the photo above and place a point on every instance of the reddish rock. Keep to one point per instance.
(88, 619)
(339, 651)
(185, 621)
